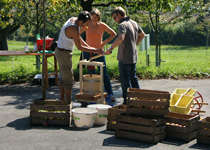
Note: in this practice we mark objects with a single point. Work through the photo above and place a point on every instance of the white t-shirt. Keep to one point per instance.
(63, 41)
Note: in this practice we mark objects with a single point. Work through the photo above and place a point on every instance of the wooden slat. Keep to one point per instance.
(50, 102)
(152, 96)
(140, 121)
(111, 127)
(180, 129)
(140, 128)
(139, 137)
(114, 111)
(145, 111)
(204, 123)
(35, 121)
(182, 136)
(50, 107)
(203, 140)
(146, 91)
(112, 118)
(196, 110)
(182, 116)
(48, 114)
(204, 132)
(83, 97)
(148, 103)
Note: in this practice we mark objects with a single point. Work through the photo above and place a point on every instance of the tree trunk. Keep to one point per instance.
(86, 5)
(3, 42)
(157, 41)
(43, 57)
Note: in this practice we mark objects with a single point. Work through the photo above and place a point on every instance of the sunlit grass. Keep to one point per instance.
(177, 61)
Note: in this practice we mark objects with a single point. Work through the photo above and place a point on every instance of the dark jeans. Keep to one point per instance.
(128, 78)
(107, 83)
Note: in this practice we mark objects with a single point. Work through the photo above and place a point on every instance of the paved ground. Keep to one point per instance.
(16, 133)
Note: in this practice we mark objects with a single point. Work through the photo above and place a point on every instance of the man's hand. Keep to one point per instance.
(99, 51)
(109, 51)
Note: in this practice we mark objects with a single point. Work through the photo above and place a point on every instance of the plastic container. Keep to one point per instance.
(84, 117)
(48, 43)
(102, 113)
(184, 105)
(182, 91)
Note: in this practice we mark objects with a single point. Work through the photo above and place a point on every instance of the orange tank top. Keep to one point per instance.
(94, 36)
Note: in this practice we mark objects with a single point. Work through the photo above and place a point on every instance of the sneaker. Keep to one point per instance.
(113, 98)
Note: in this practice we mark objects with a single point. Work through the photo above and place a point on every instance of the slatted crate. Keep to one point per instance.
(182, 127)
(148, 102)
(203, 136)
(151, 130)
(112, 116)
(50, 112)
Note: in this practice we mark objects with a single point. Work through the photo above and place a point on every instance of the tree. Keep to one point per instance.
(203, 21)
(10, 19)
(160, 13)
(164, 12)
(14, 13)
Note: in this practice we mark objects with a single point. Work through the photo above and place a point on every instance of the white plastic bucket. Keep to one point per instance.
(102, 113)
(84, 117)
(26, 48)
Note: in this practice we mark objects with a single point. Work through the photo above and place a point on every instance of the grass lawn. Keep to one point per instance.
(178, 62)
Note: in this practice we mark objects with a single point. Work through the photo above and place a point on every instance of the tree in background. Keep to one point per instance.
(14, 13)
(204, 21)
(160, 13)
(10, 19)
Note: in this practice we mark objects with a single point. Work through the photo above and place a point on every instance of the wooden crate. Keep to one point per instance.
(112, 116)
(148, 102)
(50, 112)
(203, 136)
(142, 129)
(182, 127)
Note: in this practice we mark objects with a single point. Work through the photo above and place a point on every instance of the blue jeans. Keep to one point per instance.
(107, 83)
(128, 78)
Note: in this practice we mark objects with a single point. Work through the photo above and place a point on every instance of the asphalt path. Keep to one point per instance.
(17, 134)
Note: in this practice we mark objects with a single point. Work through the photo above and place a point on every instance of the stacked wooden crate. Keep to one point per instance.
(203, 136)
(112, 116)
(144, 119)
(182, 127)
(132, 127)
(50, 112)
(148, 102)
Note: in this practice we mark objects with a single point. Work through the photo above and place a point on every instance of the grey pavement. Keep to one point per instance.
(17, 134)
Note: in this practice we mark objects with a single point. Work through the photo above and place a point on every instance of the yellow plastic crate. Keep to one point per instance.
(183, 107)
(182, 91)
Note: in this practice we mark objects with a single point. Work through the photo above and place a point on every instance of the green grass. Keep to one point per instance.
(179, 62)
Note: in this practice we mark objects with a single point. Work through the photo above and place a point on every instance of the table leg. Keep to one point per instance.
(38, 62)
(46, 73)
(56, 71)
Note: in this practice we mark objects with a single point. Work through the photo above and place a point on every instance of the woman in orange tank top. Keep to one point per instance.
(94, 38)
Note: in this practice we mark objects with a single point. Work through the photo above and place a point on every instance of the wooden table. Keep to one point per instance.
(22, 53)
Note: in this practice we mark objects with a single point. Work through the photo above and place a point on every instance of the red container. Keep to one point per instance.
(48, 43)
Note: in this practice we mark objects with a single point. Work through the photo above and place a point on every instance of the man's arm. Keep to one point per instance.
(116, 43)
(141, 35)
(74, 33)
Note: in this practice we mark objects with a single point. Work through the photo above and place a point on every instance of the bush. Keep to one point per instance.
(181, 34)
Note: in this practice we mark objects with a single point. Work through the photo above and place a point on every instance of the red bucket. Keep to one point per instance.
(48, 43)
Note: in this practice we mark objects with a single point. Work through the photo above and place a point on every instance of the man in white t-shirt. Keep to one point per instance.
(69, 37)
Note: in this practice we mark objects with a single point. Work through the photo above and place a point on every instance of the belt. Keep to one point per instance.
(64, 49)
